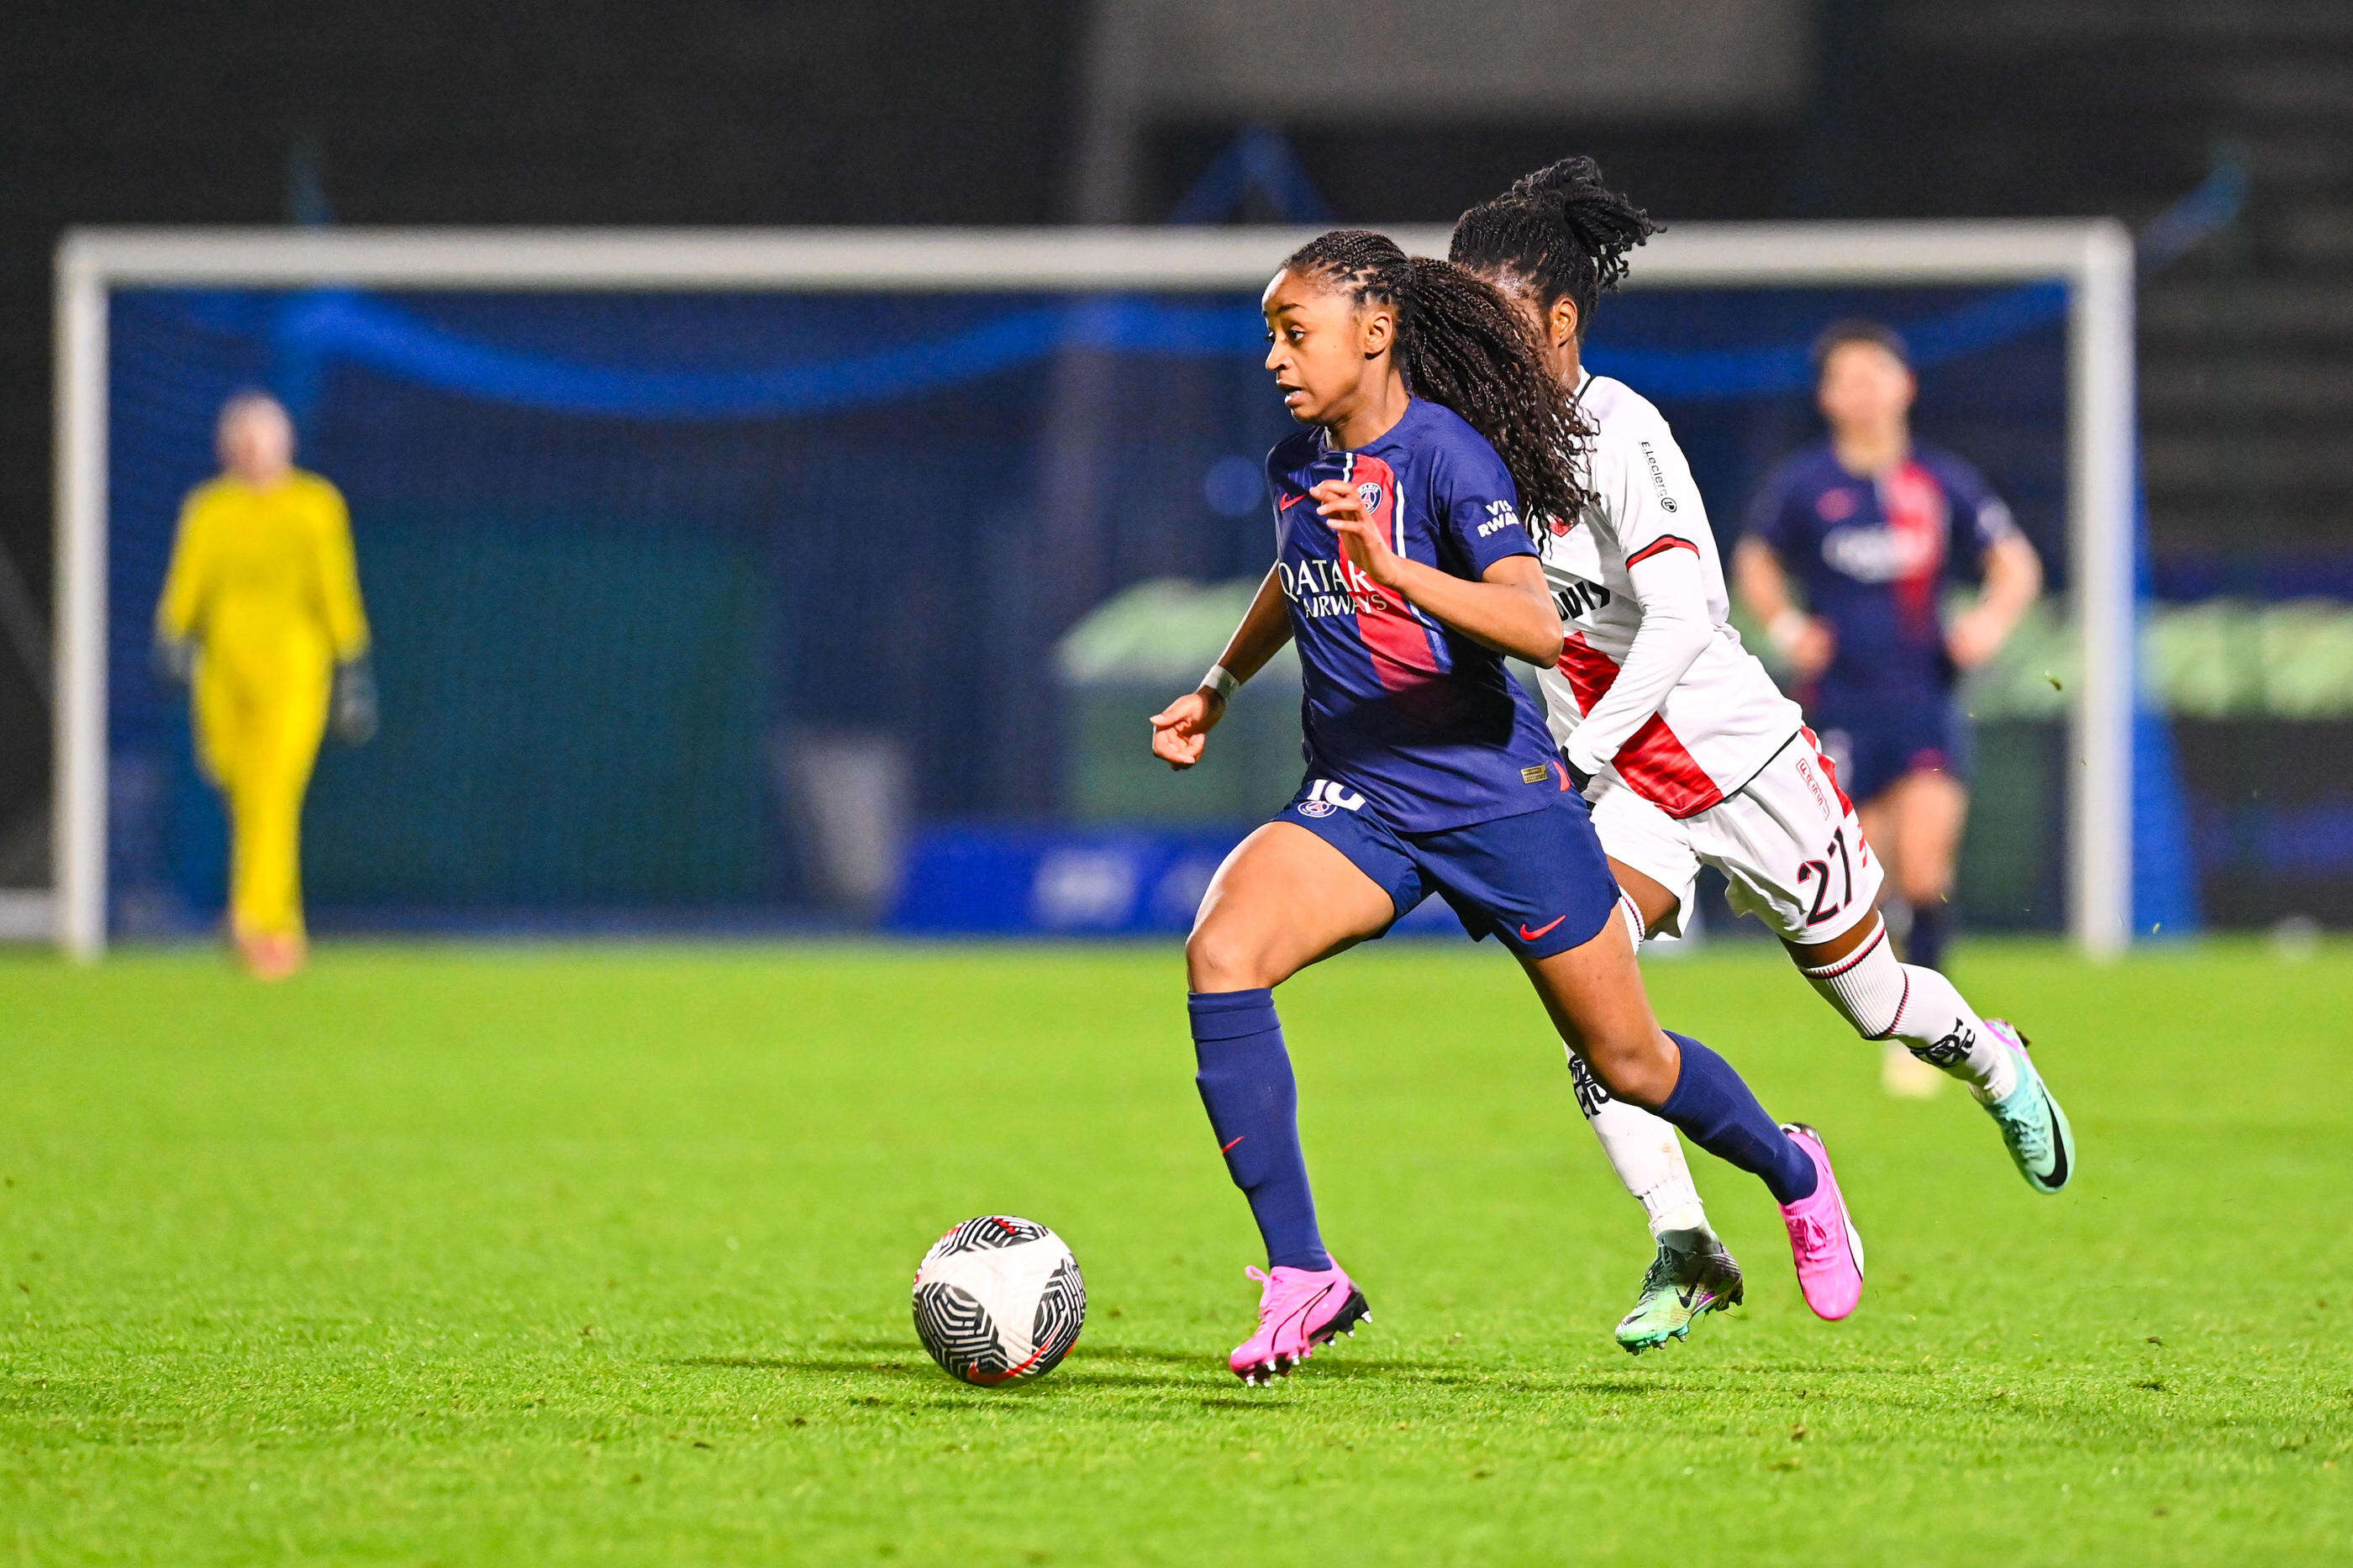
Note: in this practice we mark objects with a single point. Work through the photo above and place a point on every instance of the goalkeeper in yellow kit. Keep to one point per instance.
(262, 615)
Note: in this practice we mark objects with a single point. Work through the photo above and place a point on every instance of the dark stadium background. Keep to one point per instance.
(697, 113)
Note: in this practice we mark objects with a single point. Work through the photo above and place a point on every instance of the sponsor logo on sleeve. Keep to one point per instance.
(1658, 477)
(1501, 515)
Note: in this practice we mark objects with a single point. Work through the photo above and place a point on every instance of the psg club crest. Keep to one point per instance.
(1325, 797)
(1370, 494)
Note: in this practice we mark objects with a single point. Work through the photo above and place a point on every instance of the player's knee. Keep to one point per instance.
(1220, 958)
(1634, 1067)
(1867, 985)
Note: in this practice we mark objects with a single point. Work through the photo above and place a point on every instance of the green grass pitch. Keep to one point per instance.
(468, 1255)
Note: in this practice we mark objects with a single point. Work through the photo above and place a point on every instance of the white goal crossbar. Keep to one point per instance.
(2094, 259)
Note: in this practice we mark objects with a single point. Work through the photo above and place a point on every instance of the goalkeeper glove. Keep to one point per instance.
(353, 713)
(175, 657)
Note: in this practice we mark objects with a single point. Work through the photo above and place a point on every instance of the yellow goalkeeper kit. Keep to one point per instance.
(263, 586)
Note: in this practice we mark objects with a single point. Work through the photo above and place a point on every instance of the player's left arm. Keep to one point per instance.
(2014, 578)
(353, 707)
(178, 611)
(1660, 518)
(338, 576)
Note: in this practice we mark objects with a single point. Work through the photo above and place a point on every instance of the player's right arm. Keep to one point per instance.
(1180, 731)
(1653, 512)
(178, 610)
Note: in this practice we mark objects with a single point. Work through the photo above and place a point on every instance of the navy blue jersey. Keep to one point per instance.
(1875, 557)
(1423, 721)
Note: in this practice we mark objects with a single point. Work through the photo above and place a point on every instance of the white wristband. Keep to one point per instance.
(1784, 629)
(1220, 680)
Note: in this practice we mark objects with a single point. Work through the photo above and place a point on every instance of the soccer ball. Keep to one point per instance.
(998, 1299)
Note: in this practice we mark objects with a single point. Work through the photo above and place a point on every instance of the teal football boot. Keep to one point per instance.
(2041, 1142)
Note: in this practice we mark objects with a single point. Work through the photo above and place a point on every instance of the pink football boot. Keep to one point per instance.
(1297, 1309)
(1822, 1239)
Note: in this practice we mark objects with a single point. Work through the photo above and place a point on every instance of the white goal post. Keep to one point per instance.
(2094, 259)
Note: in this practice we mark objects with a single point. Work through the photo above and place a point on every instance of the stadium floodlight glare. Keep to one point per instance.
(2093, 259)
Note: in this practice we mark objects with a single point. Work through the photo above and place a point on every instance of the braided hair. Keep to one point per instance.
(1459, 343)
(1561, 229)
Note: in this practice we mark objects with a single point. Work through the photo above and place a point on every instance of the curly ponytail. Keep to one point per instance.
(1462, 344)
(1561, 229)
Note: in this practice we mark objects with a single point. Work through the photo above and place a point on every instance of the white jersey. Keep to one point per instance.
(1654, 683)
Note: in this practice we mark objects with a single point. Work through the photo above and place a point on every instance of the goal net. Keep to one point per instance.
(764, 577)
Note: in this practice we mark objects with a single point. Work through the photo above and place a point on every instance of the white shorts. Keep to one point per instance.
(1787, 842)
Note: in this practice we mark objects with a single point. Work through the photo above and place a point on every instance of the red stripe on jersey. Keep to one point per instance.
(1663, 542)
(1917, 515)
(1652, 761)
(1399, 644)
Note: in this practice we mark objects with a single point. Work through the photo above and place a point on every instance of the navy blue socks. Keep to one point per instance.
(1715, 1110)
(1254, 1104)
(1924, 945)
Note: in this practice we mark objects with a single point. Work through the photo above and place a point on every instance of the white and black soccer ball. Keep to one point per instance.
(998, 1299)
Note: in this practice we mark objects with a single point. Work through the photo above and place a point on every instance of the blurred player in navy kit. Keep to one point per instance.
(1872, 526)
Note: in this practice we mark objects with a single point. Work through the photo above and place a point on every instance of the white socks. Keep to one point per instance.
(1885, 999)
(1882, 998)
(1643, 1150)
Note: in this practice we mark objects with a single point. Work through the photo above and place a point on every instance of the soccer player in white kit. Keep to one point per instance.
(1689, 755)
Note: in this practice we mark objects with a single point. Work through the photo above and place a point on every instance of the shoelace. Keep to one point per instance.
(1267, 1296)
(2031, 1135)
(1810, 1237)
(1663, 1274)
(1276, 1303)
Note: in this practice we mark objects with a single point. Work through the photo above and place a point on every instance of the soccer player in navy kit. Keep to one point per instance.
(1873, 524)
(1406, 573)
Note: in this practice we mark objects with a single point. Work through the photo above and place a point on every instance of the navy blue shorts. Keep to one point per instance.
(1876, 743)
(1538, 882)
